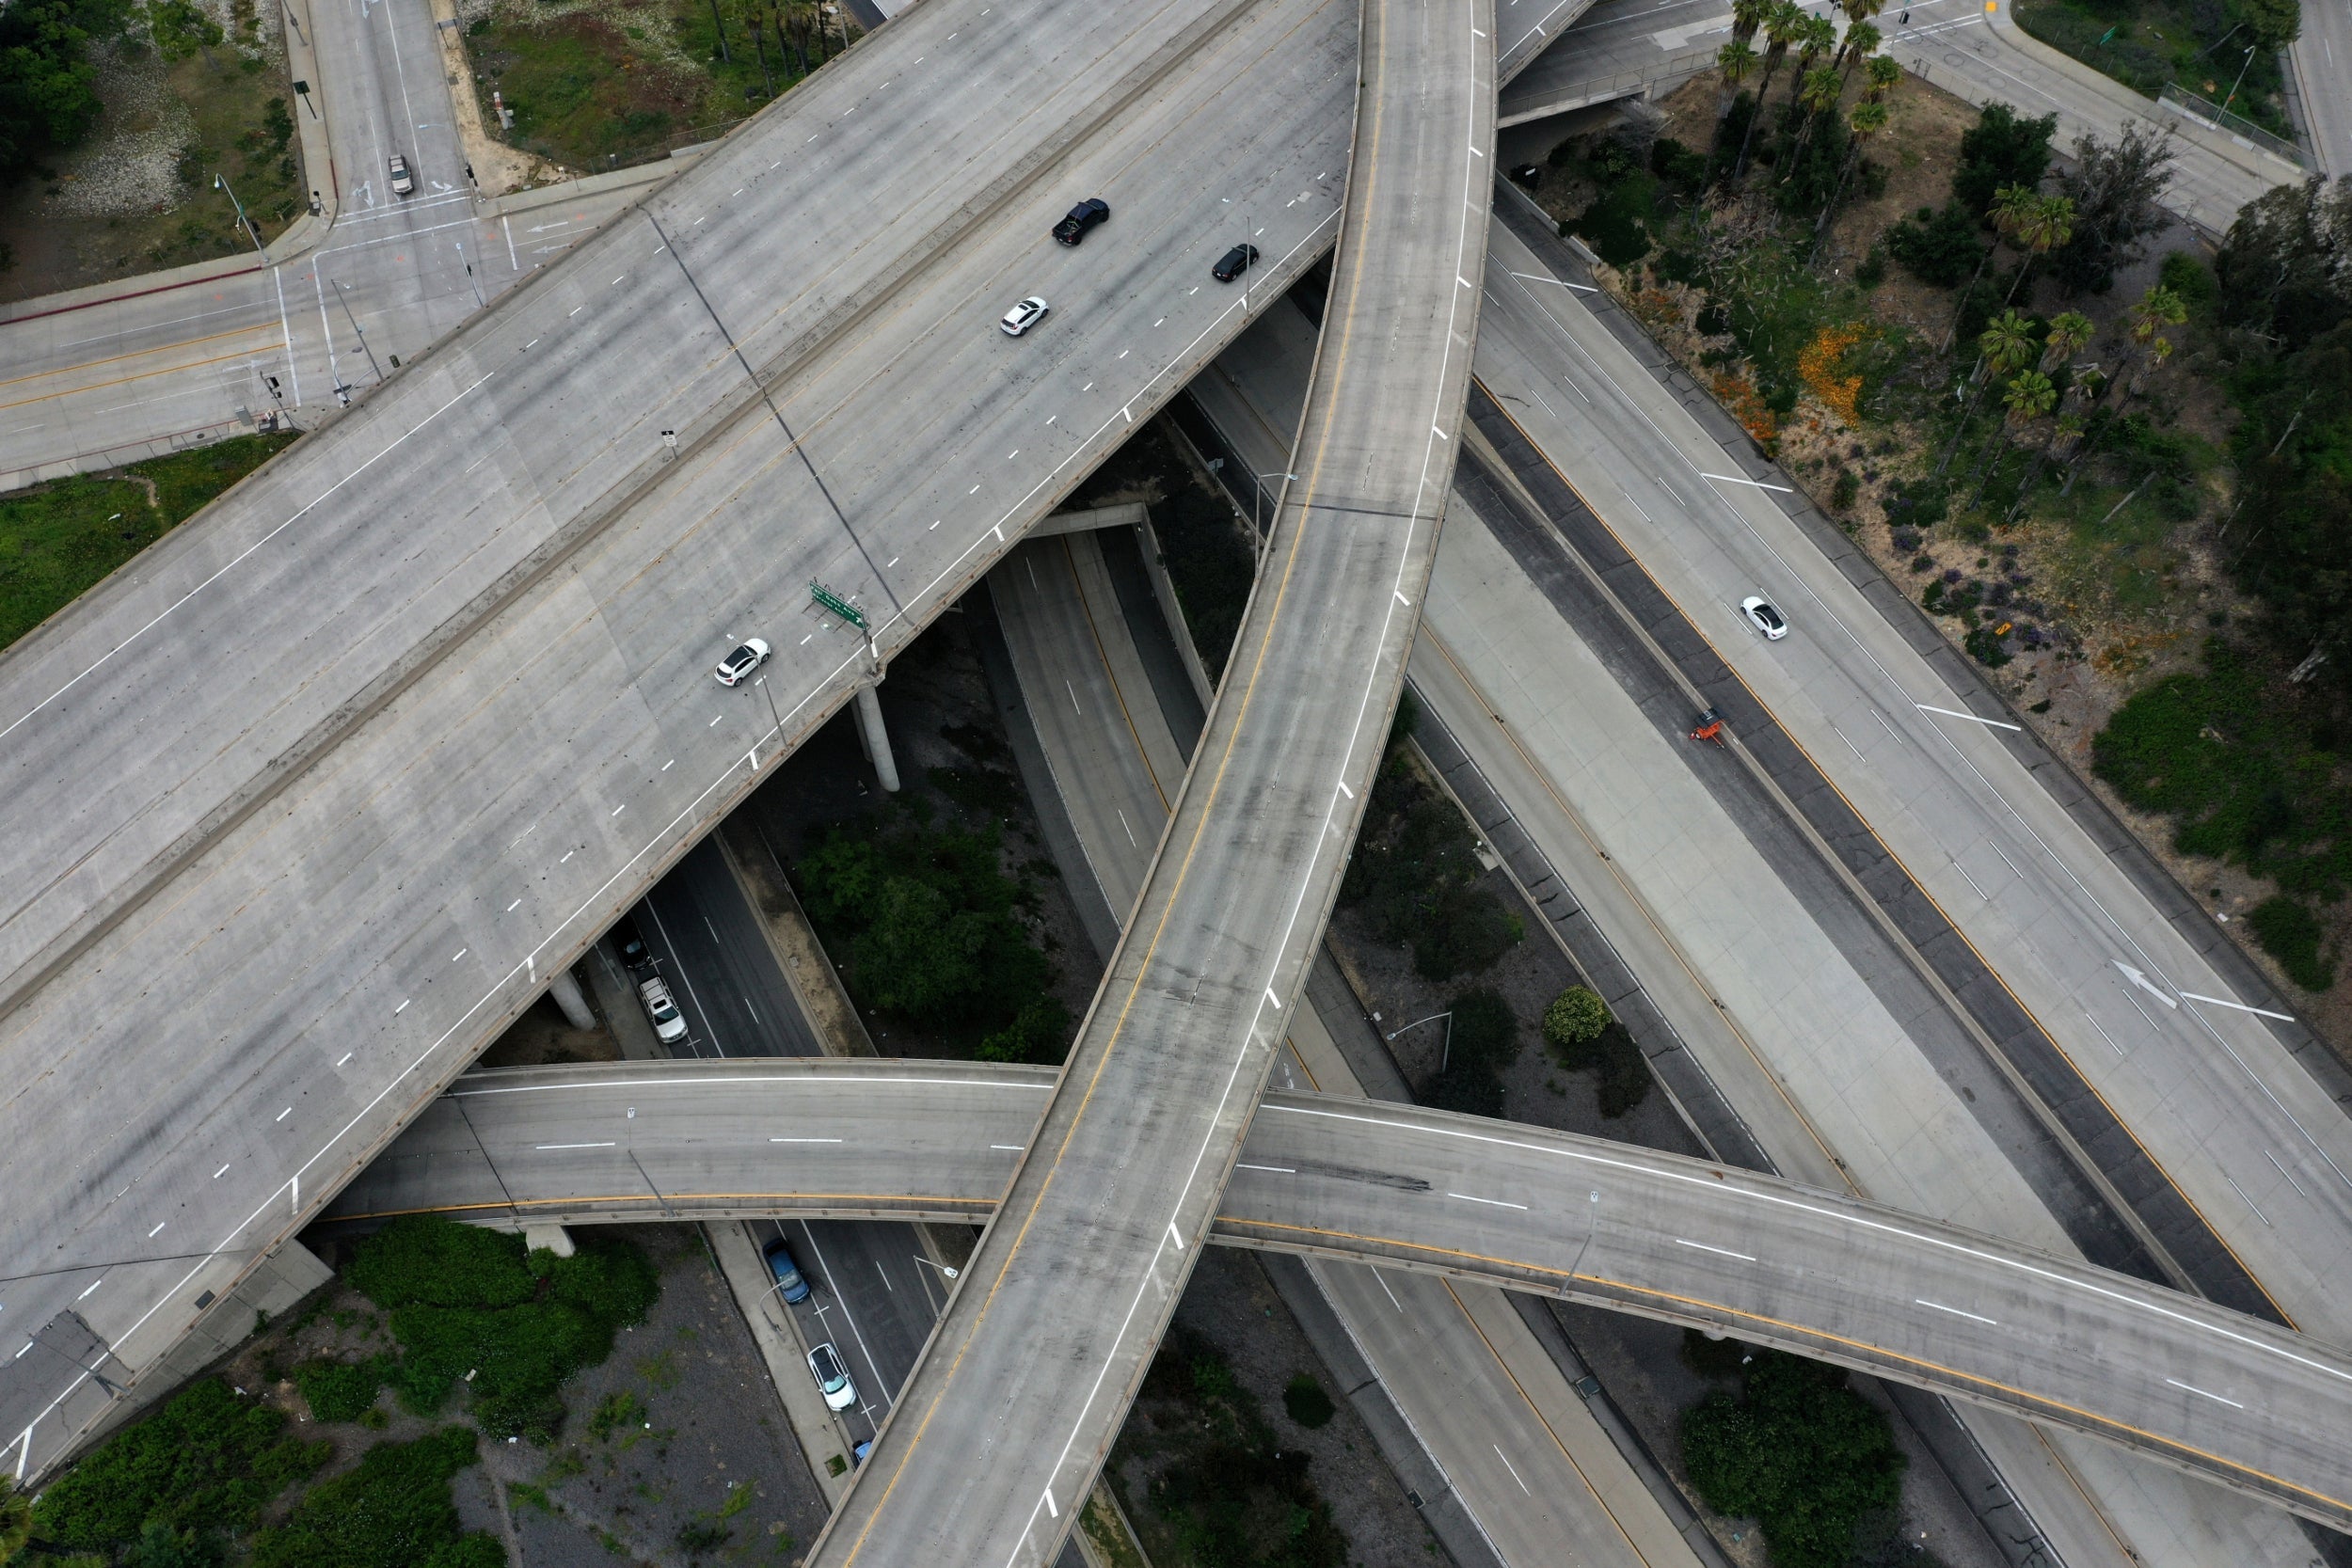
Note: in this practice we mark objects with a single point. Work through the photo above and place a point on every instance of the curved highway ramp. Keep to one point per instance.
(2212, 1392)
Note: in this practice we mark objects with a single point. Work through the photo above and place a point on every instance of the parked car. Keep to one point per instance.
(833, 1377)
(1764, 618)
(669, 1024)
(788, 1276)
(1024, 316)
(631, 944)
(749, 657)
(857, 1455)
(1085, 215)
(1233, 262)
(402, 181)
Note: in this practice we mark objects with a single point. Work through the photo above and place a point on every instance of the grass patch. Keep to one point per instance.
(343, 1390)
(933, 933)
(470, 1306)
(2289, 932)
(60, 539)
(2146, 43)
(1800, 1453)
(392, 1512)
(2247, 773)
(207, 1463)
(593, 90)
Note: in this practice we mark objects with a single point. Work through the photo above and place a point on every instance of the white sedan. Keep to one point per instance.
(1024, 315)
(1764, 618)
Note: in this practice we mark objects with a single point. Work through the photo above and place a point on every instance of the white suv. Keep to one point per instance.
(832, 1378)
(669, 1024)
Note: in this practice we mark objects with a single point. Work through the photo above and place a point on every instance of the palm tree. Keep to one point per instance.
(2044, 225)
(1816, 94)
(1736, 60)
(2067, 433)
(1817, 36)
(1880, 75)
(2028, 397)
(1862, 11)
(1746, 17)
(2157, 308)
(1862, 40)
(2004, 346)
(1782, 25)
(2011, 205)
(1866, 120)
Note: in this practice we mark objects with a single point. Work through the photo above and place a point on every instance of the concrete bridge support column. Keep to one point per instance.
(567, 996)
(876, 738)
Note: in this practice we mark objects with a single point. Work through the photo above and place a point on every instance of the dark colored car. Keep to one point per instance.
(1233, 262)
(788, 1276)
(635, 956)
(1085, 215)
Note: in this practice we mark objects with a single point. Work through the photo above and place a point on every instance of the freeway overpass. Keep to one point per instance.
(345, 768)
(2211, 1391)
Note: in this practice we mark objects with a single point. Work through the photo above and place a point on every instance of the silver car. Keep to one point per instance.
(669, 1024)
(402, 181)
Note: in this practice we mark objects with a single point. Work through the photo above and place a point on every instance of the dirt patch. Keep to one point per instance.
(543, 1037)
(139, 195)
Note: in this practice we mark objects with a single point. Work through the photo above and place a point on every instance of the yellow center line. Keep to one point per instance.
(138, 354)
(124, 380)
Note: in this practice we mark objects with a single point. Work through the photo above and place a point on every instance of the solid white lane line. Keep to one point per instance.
(2288, 1174)
(1955, 713)
(2250, 1202)
(1492, 1202)
(1278, 1170)
(544, 1148)
(1508, 1466)
(1721, 1252)
(804, 1140)
(2202, 1394)
(1972, 1316)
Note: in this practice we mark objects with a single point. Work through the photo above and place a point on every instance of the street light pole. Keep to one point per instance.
(343, 295)
(2241, 78)
(478, 302)
(220, 182)
(1445, 1054)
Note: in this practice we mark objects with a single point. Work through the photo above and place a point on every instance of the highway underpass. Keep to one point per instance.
(2212, 1392)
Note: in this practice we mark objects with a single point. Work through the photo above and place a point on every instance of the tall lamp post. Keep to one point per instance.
(1445, 1052)
(220, 182)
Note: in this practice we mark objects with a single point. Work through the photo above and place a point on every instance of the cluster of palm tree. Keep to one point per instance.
(1824, 70)
(2029, 221)
(2008, 355)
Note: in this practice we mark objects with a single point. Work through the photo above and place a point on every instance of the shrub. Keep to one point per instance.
(529, 1322)
(2290, 933)
(2190, 279)
(1467, 1090)
(1414, 872)
(341, 1390)
(392, 1512)
(1846, 491)
(1870, 271)
(207, 1461)
(1576, 1017)
(1938, 247)
(1485, 1030)
(2000, 149)
(1616, 225)
(1676, 164)
(1621, 1073)
(1039, 1033)
(1798, 1451)
(1308, 1405)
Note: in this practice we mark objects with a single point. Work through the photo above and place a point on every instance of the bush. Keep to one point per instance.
(1798, 1451)
(1576, 1017)
(1039, 1033)
(1469, 1091)
(392, 1512)
(929, 923)
(519, 1323)
(1616, 225)
(1485, 1030)
(1227, 1489)
(1308, 1405)
(1414, 872)
(1938, 247)
(2290, 933)
(2190, 279)
(1676, 164)
(206, 1462)
(1622, 1074)
(341, 1390)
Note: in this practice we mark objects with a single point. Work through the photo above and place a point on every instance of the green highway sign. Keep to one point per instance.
(829, 600)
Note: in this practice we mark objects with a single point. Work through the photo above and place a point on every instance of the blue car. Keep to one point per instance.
(787, 1274)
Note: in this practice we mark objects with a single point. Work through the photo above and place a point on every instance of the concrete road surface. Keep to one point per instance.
(1057, 1316)
(407, 719)
(2195, 1386)
(2321, 59)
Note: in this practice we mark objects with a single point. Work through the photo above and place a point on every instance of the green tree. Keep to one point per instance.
(1866, 120)
(1798, 1451)
(2275, 24)
(1784, 25)
(1737, 61)
(181, 27)
(2285, 270)
(2027, 399)
(2005, 346)
(48, 87)
(2001, 150)
(2117, 189)
(1881, 74)
(1746, 17)
(2011, 205)
(2046, 223)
